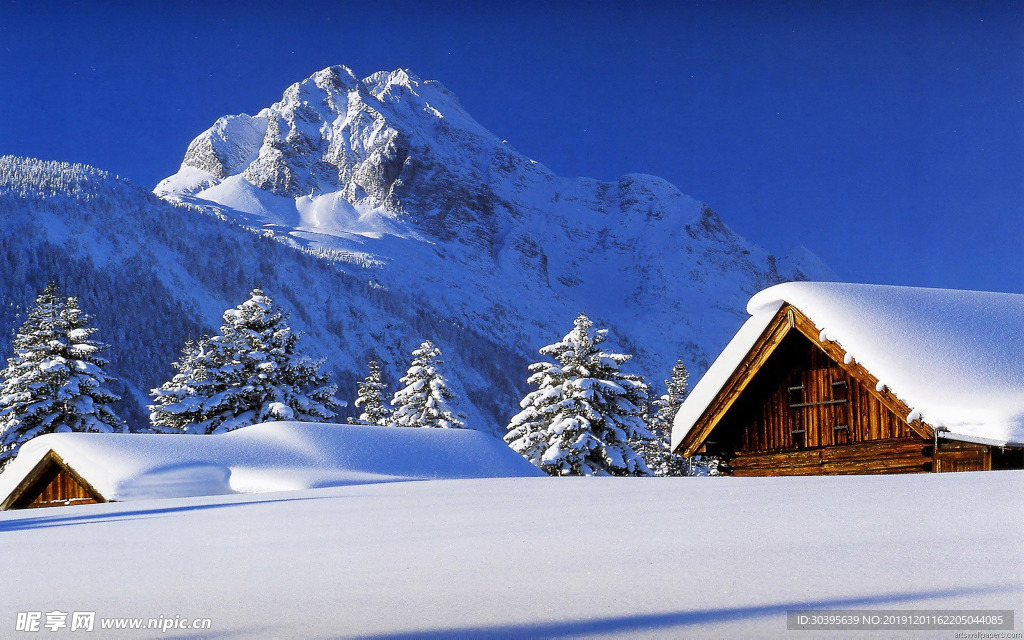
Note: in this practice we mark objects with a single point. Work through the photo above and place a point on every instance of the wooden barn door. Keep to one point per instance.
(963, 456)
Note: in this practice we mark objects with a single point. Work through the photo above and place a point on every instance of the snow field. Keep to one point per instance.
(531, 557)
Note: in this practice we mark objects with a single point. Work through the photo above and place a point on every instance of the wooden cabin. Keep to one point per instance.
(787, 400)
(51, 483)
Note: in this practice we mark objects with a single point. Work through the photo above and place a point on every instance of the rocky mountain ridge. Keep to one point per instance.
(391, 174)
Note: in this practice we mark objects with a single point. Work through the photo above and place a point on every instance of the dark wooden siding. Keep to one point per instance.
(802, 399)
(896, 455)
(54, 487)
(1007, 458)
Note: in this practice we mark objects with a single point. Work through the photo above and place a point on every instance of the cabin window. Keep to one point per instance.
(798, 438)
(840, 390)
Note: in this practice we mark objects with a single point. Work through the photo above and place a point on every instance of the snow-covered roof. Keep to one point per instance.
(274, 456)
(956, 358)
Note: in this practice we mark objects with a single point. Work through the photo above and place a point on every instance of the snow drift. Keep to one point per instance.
(273, 456)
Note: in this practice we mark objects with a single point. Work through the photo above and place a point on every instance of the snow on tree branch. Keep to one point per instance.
(585, 412)
(251, 372)
(55, 381)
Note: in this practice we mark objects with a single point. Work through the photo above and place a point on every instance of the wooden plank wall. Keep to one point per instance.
(902, 455)
(963, 456)
(802, 399)
(55, 488)
(894, 455)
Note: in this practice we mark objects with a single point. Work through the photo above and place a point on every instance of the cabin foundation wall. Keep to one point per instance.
(899, 455)
(910, 455)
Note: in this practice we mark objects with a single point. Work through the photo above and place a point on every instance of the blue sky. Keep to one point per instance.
(886, 137)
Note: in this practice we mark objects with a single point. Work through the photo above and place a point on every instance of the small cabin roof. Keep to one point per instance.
(273, 456)
(955, 358)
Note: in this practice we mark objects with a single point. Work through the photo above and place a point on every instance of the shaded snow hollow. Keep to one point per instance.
(956, 358)
(274, 456)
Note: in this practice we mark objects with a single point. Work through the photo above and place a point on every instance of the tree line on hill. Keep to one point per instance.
(585, 417)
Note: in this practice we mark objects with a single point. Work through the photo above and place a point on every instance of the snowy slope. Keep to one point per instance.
(379, 214)
(530, 558)
(277, 456)
(153, 274)
(954, 357)
(392, 173)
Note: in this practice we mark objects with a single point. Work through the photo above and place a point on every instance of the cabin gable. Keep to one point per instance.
(803, 413)
(51, 483)
(797, 405)
(801, 399)
(790, 353)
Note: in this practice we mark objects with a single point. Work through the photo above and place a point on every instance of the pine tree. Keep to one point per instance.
(55, 382)
(179, 402)
(371, 398)
(585, 411)
(251, 372)
(658, 452)
(423, 402)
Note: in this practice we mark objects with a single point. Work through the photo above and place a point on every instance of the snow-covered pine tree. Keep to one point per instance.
(179, 401)
(658, 452)
(423, 402)
(55, 381)
(585, 412)
(251, 372)
(371, 398)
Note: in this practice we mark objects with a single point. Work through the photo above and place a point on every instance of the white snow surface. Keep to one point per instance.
(273, 456)
(528, 557)
(956, 358)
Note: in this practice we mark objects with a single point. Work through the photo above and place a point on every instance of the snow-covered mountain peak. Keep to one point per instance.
(382, 82)
(404, 83)
(333, 132)
(335, 77)
(390, 173)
